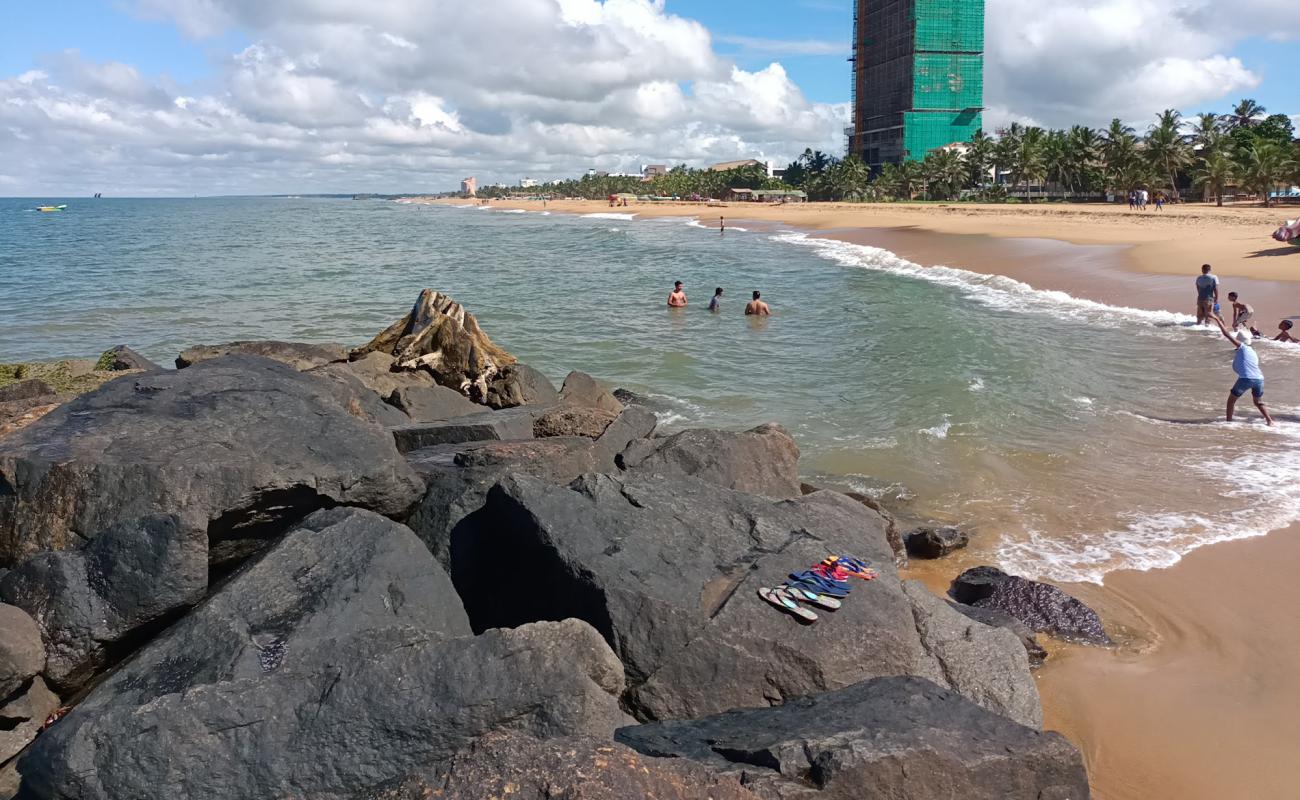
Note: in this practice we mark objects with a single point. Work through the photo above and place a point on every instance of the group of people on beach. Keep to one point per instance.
(1138, 199)
(755, 308)
(1242, 335)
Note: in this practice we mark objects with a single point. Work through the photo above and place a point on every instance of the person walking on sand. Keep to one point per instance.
(715, 304)
(1246, 364)
(678, 297)
(1207, 296)
(1284, 332)
(1243, 314)
(757, 308)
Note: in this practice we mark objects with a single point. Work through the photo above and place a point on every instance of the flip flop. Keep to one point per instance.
(854, 567)
(832, 572)
(782, 600)
(804, 593)
(820, 583)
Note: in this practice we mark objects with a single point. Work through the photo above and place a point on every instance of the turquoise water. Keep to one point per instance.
(1073, 437)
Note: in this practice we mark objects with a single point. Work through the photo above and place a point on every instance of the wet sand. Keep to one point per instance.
(1201, 699)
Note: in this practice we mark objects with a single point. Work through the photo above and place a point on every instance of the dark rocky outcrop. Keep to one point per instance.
(987, 665)
(568, 420)
(630, 426)
(764, 460)
(892, 534)
(23, 402)
(122, 358)
(520, 385)
(935, 542)
(1040, 606)
(22, 654)
(240, 446)
(376, 371)
(298, 355)
(459, 476)
(441, 338)
(338, 660)
(668, 571)
(580, 389)
(484, 426)
(432, 403)
(524, 768)
(29, 389)
(22, 714)
(1037, 654)
(899, 737)
(93, 603)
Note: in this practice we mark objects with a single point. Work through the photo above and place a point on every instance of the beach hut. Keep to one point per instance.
(780, 196)
(741, 195)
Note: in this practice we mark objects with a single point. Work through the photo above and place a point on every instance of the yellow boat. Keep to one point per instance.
(50, 208)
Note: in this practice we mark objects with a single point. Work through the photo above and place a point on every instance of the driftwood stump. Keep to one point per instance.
(441, 337)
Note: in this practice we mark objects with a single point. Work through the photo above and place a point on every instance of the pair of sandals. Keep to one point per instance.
(824, 586)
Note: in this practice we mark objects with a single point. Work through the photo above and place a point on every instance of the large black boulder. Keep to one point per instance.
(935, 542)
(336, 661)
(901, 737)
(1042, 607)
(764, 460)
(520, 385)
(668, 571)
(93, 603)
(240, 446)
(121, 358)
(299, 355)
(988, 616)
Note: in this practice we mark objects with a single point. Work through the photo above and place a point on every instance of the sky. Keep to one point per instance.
(185, 97)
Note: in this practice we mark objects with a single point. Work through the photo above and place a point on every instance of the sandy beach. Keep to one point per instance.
(1198, 700)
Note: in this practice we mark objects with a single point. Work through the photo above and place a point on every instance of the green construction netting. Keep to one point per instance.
(950, 25)
(942, 81)
(923, 131)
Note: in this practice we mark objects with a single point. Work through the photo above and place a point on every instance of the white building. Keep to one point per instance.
(528, 183)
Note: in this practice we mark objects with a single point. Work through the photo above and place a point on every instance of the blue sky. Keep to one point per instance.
(268, 96)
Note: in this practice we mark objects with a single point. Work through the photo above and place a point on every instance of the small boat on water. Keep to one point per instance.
(51, 208)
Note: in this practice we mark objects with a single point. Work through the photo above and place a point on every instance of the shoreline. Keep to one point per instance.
(1194, 704)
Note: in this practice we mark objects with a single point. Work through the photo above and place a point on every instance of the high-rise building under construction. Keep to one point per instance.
(918, 77)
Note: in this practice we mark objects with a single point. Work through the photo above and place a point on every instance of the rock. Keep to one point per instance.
(629, 398)
(124, 358)
(891, 531)
(335, 718)
(764, 460)
(29, 389)
(432, 403)
(668, 571)
(18, 414)
(935, 542)
(241, 446)
(459, 476)
(520, 385)
(987, 665)
(900, 737)
(80, 367)
(580, 389)
(1037, 655)
(485, 426)
(298, 355)
(22, 715)
(632, 425)
(95, 603)
(523, 768)
(22, 655)
(441, 337)
(363, 403)
(573, 421)
(1042, 607)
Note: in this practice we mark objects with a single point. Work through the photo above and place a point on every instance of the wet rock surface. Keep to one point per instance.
(573, 421)
(580, 389)
(1040, 606)
(935, 542)
(299, 355)
(122, 358)
(1036, 653)
(520, 385)
(483, 426)
(891, 737)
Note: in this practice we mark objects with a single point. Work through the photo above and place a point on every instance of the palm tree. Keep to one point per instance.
(850, 178)
(1031, 157)
(945, 173)
(979, 157)
(1120, 156)
(1264, 164)
(910, 177)
(1083, 146)
(1006, 153)
(889, 182)
(1214, 172)
(1245, 113)
(1166, 146)
(1057, 161)
(1207, 133)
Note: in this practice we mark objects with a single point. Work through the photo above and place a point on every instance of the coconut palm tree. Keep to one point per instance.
(1166, 147)
(850, 178)
(1057, 161)
(979, 157)
(889, 182)
(1207, 131)
(1119, 153)
(1245, 114)
(1263, 167)
(1031, 156)
(1006, 153)
(945, 173)
(1084, 147)
(1214, 172)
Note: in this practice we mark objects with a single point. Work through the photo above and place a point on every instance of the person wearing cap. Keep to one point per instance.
(1246, 364)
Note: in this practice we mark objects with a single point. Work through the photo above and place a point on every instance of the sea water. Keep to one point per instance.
(1074, 438)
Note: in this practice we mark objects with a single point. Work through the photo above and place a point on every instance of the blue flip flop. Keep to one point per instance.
(822, 585)
(812, 595)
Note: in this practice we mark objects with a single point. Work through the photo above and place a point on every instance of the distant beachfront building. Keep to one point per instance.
(469, 186)
(652, 171)
(528, 183)
(726, 166)
(918, 77)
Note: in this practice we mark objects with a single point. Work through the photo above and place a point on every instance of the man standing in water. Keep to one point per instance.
(722, 228)
(678, 298)
(757, 308)
(716, 303)
(1246, 364)
(1207, 295)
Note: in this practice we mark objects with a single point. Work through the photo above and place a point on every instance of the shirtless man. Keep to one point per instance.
(678, 298)
(1243, 315)
(757, 308)
(1284, 335)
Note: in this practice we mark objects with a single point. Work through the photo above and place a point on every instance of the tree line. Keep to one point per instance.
(1246, 148)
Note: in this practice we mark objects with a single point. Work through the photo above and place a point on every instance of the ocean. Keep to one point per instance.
(1072, 438)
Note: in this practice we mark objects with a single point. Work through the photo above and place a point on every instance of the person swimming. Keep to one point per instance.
(716, 303)
(757, 308)
(1284, 332)
(678, 297)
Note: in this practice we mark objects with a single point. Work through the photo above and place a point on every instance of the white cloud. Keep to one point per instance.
(789, 47)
